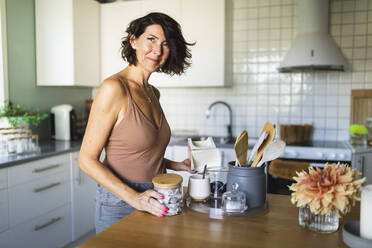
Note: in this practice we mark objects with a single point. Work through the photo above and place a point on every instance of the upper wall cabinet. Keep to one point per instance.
(202, 22)
(67, 42)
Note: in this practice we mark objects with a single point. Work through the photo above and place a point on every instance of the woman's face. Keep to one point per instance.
(151, 48)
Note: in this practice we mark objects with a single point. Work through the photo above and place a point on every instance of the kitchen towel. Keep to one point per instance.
(286, 169)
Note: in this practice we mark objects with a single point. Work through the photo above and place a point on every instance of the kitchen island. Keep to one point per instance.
(277, 227)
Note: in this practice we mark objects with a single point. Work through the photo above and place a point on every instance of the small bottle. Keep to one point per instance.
(170, 186)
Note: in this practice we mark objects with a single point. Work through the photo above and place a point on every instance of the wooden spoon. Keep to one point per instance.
(241, 148)
(272, 151)
(256, 146)
(270, 129)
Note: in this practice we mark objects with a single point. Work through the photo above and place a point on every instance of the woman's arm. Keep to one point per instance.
(106, 109)
(178, 166)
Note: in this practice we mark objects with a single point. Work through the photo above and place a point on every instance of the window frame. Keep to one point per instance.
(4, 93)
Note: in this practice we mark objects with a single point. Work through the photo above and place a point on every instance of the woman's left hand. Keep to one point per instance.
(182, 166)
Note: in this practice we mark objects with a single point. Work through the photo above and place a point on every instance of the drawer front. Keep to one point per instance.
(4, 214)
(37, 169)
(3, 178)
(27, 201)
(51, 230)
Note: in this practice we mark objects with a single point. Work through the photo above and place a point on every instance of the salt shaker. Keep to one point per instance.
(170, 186)
(234, 201)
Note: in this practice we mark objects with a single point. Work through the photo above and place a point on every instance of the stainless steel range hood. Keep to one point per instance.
(313, 48)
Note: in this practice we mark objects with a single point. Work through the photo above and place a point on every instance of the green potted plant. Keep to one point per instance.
(16, 114)
(358, 134)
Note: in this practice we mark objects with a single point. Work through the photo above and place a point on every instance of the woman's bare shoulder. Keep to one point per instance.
(112, 86)
(111, 94)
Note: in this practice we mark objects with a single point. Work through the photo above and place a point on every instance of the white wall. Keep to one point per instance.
(259, 32)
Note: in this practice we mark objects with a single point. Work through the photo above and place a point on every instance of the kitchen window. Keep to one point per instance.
(3, 53)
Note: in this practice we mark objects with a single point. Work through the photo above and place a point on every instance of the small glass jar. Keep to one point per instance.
(19, 146)
(4, 143)
(170, 186)
(22, 146)
(11, 145)
(218, 178)
(34, 144)
(234, 201)
(317, 222)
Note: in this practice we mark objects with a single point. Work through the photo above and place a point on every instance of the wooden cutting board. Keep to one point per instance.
(270, 129)
(361, 106)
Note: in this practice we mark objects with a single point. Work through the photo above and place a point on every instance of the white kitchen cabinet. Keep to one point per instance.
(67, 42)
(169, 153)
(363, 163)
(39, 204)
(33, 199)
(3, 178)
(180, 153)
(195, 17)
(208, 54)
(53, 229)
(4, 202)
(83, 200)
(37, 170)
(115, 18)
(4, 210)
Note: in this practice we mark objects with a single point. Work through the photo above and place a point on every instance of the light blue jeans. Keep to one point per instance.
(110, 208)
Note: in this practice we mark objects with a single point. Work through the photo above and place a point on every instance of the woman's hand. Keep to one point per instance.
(182, 166)
(148, 201)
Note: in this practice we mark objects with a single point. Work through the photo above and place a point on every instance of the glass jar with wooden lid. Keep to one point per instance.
(170, 186)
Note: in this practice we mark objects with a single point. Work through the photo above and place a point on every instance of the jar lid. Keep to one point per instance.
(167, 181)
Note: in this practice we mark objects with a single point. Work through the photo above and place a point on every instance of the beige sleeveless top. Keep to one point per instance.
(135, 148)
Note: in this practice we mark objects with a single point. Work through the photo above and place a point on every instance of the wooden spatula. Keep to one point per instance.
(270, 129)
(241, 148)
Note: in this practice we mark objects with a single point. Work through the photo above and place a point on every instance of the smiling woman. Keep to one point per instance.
(179, 54)
(127, 120)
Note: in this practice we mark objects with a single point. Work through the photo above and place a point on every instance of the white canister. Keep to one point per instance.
(170, 186)
(199, 188)
(366, 213)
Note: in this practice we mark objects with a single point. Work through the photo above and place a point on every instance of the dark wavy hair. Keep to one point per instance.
(179, 58)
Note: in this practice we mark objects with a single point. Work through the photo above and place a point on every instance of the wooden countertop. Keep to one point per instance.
(277, 227)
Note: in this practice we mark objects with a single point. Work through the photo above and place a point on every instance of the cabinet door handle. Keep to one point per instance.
(52, 221)
(223, 158)
(361, 165)
(46, 168)
(46, 187)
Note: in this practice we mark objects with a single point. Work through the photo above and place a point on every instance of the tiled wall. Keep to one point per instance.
(259, 32)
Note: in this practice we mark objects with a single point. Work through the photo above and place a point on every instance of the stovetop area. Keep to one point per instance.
(324, 144)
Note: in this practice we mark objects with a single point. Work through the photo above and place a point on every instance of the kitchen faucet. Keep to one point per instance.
(229, 126)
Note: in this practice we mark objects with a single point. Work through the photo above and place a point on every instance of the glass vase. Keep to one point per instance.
(317, 222)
